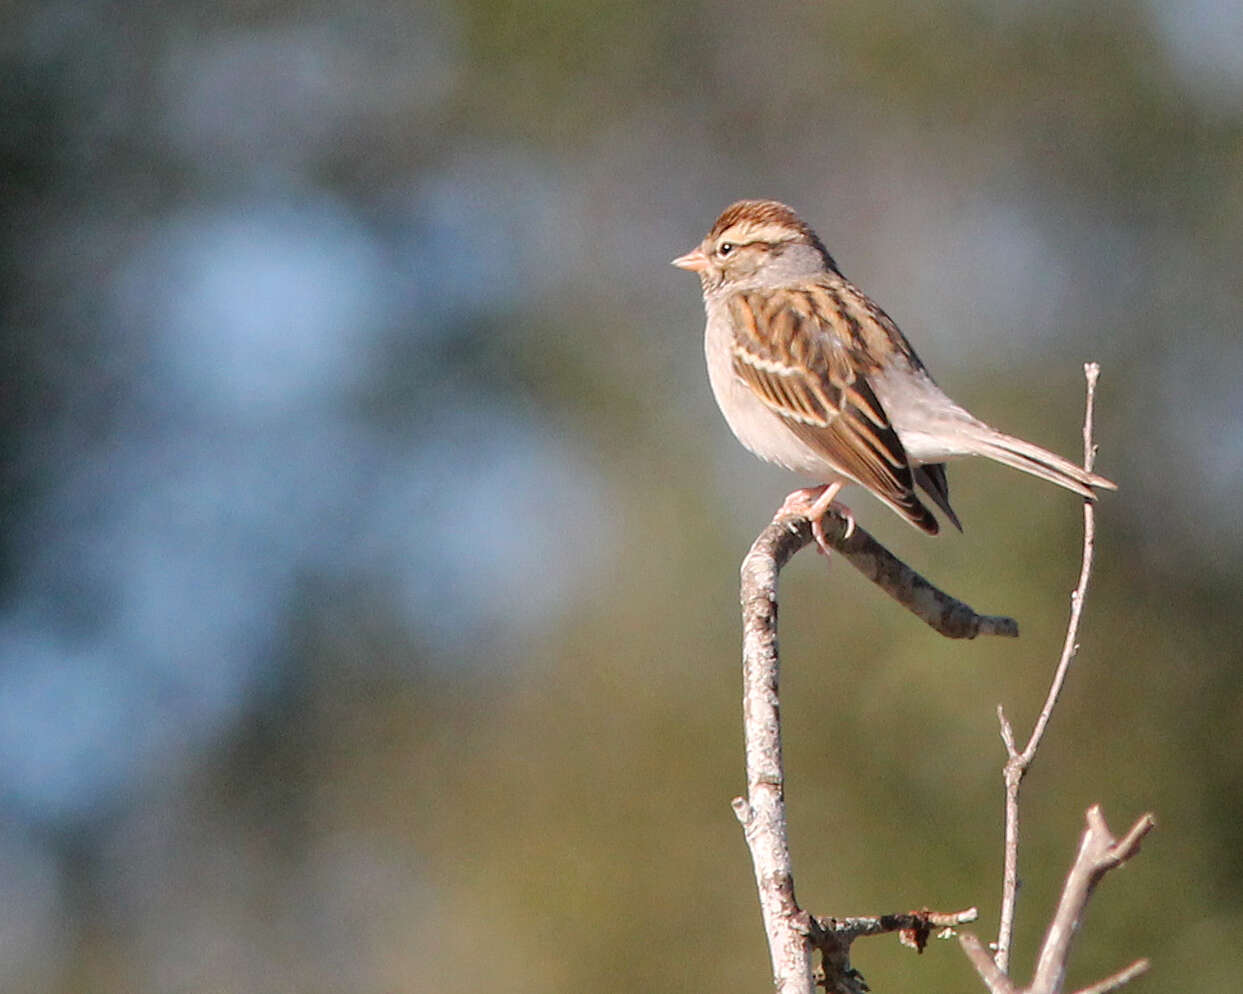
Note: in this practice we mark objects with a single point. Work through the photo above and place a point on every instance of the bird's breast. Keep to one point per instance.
(755, 425)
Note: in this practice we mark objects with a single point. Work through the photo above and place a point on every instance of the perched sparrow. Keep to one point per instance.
(813, 376)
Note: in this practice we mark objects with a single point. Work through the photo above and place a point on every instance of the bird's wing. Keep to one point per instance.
(806, 354)
(933, 481)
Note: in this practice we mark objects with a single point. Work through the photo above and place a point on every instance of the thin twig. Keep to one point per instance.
(833, 937)
(1018, 762)
(993, 976)
(858, 926)
(1116, 980)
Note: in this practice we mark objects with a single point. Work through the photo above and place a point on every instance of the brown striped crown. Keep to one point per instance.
(766, 221)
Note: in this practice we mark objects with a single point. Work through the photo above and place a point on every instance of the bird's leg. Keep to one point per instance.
(814, 503)
(821, 507)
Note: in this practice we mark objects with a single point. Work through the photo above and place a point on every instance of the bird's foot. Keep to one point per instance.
(813, 503)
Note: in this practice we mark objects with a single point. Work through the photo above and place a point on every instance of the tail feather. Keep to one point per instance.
(1029, 458)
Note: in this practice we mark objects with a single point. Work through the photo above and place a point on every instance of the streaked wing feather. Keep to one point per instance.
(812, 381)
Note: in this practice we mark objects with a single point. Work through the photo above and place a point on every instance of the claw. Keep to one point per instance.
(814, 503)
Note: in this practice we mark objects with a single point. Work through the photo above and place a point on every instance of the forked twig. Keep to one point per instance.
(1019, 762)
(793, 934)
(762, 813)
(1099, 851)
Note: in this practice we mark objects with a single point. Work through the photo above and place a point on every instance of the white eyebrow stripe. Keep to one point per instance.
(744, 233)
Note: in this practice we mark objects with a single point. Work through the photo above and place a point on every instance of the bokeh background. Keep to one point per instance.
(369, 536)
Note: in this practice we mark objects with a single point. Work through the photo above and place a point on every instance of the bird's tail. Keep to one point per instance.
(1014, 452)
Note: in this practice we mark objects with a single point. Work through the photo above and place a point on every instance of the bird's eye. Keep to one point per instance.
(725, 248)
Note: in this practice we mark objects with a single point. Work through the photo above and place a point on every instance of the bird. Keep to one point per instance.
(810, 374)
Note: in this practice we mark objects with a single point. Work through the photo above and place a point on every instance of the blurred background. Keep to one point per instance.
(369, 536)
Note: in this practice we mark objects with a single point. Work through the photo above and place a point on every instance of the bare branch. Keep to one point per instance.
(994, 978)
(1099, 852)
(833, 937)
(1070, 645)
(1018, 762)
(793, 934)
(762, 813)
(1116, 980)
(860, 925)
(937, 609)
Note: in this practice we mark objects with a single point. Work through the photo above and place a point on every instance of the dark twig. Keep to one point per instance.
(833, 937)
(947, 615)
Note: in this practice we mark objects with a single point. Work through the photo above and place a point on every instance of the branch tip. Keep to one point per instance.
(1116, 980)
(1128, 845)
(1007, 731)
(787, 533)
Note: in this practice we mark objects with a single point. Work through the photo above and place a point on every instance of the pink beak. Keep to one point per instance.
(694, 260)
